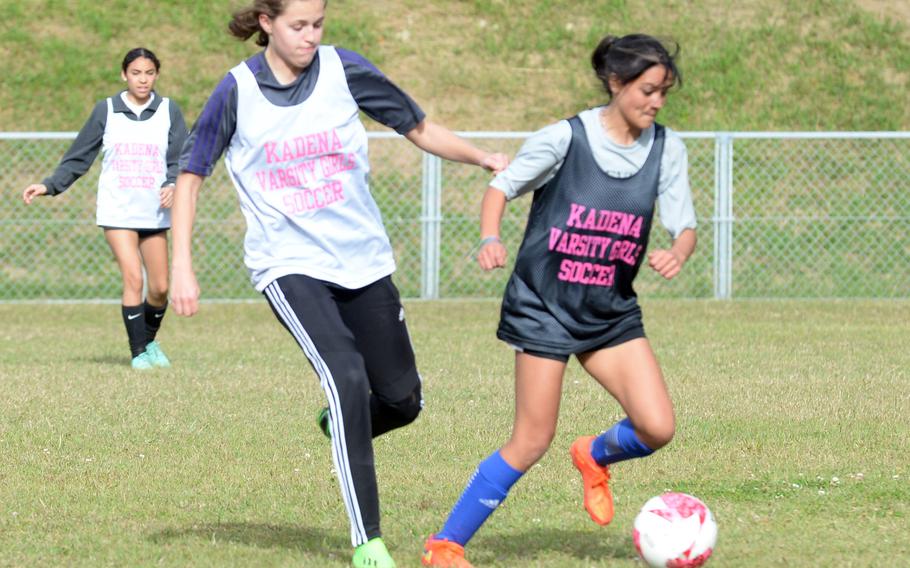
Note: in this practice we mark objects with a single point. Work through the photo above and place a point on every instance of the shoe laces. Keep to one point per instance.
(598, 474)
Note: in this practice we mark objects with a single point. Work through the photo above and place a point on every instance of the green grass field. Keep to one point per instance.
(492, 64)
(792, 426)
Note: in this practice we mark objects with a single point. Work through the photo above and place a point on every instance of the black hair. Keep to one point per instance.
(138, 52)
(626, 58)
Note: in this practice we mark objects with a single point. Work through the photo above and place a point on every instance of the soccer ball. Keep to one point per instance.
(674, 530)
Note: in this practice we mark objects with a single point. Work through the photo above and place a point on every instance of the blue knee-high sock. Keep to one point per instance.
(487, 489)
(617, 444)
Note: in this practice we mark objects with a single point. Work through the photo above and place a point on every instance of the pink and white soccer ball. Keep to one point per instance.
(675, 530)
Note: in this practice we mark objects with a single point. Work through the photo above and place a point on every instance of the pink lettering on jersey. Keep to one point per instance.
(604, 220)
(577, 244)
(335, 163)
(296, 175)
(310, 145)
(136, 182)
(626, 251)
(554, 237)
(139, 166)
(306, 200)
(575, 215)
(594, 246)
(587, 273)
(136, 149)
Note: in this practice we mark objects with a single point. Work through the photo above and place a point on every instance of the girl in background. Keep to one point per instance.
(140, 135)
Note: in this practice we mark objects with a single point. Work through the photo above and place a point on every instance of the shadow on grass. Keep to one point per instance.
(115, 360)
(294, 537)
(522, 547)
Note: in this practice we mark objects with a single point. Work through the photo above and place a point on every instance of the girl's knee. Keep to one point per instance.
(658, 433)
(349, 375)
(406, 410)
(157, 293)
(132, 282)
(529, 448)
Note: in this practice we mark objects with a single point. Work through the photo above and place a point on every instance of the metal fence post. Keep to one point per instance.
(816, 215)
(723, 216)
(431, 217)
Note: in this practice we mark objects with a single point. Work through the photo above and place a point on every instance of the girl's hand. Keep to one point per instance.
(495, 162)
(166, 194)
(665, 262)
(492, 255)
(184, 291)
(33, 191)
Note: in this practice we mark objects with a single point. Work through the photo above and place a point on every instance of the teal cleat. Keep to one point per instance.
(323, 419)
(373, 554)
(142, 362)
(156, 355)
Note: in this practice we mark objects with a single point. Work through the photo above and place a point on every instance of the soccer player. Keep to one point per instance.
(596, 178)
(315, 244)
(140, 134)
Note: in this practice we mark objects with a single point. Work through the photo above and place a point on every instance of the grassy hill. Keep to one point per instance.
(492, 64)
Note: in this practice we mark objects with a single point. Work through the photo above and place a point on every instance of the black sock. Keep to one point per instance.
(135, 328)
(153, 317)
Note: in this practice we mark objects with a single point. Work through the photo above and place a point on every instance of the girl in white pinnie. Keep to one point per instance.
(288, 120)
(140, 135)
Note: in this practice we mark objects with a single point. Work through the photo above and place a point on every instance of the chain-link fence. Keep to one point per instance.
(780, 215)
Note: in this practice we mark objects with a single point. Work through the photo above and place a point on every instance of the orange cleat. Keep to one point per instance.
(443, 553)
(598, 498)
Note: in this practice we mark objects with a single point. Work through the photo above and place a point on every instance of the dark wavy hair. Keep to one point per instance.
(626, 58)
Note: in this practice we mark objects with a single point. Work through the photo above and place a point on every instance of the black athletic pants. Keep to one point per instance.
(358, 344)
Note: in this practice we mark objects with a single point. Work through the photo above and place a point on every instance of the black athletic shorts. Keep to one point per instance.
(143, 233)
(633, 332)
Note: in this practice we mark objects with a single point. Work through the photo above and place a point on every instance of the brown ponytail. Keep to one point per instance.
(245, 22)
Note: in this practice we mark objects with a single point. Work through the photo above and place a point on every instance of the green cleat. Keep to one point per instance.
(373, 554)
(324, 424)
(156, 355)
(142, 362)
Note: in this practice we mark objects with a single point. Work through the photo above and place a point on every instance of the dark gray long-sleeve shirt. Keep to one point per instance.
(84, 149)
(375, 94)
